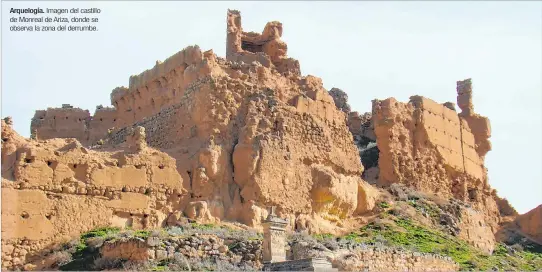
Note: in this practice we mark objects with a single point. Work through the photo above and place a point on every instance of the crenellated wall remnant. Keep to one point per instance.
(266, 48)
(165, 84)
(70, 122)
(64, 122)
(479, 125)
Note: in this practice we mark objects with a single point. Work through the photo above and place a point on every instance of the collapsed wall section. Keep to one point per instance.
(427, 146)
(430, 147)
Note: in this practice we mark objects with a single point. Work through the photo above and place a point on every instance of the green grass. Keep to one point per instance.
(406, 234)
(323, 236)
(203, 226)
(84, 256)
(431, 209)
(159, 268)
(142, 234)
(384, 205)
(100, 232)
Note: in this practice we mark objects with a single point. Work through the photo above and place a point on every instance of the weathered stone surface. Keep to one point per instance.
(53, 190)
(530, 224)
(134, 249)
(239, 135)
(266, 48)
(199, 137)
(430, 147)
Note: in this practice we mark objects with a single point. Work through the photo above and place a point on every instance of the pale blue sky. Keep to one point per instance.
(368, 49)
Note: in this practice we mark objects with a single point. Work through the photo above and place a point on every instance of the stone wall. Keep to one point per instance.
(239, 136)
(69, 122)
(104, 119)
(65, 122)
(432, 148)
(148, 93)
(176, 247)
(53, 190)
(427, 131)
(161, 86)
(263, 134)
(311, 264)
(373, 259)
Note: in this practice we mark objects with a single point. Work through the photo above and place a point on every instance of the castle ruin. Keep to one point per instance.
(219, 139)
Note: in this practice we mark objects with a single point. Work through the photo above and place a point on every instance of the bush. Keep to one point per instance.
(303, 236)
(95, 242)
(202, 265)
(384, 205)
(138, 266)
(61, 258)
(517, 247)
(228, 266)
(106, 263)
(100, 232)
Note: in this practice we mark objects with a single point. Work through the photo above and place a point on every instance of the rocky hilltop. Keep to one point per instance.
(203, 139)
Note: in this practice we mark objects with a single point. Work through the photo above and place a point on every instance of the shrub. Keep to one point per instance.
(303, 236)
(61, 258)
(384, 205)
(95, 242)
(517, 247)
(202, 265)
(138, 266)
(142, 234)
(100, 232)
(107, 263)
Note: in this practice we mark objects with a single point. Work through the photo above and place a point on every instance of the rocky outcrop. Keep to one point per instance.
(530, 224)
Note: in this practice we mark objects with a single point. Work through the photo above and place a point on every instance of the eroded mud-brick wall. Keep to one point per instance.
(430, 147)
(54, 190)
(65, 122)
(232, 124)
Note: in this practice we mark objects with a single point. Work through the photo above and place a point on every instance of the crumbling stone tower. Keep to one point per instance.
(479, 125)
(266, 48)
